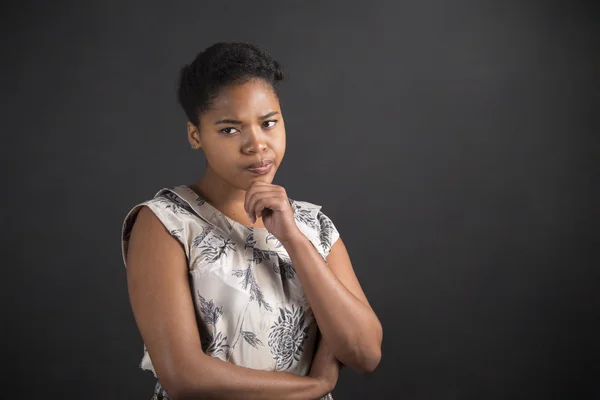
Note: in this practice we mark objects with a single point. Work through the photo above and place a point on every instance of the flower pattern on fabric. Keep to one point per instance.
(285, 267)
(212, 344)
(210, 312)
(159, 392)
(287, 336)
(303, 215)
(258, 255)
(171, 201)
(249, 281)
(251, 339)
(281, 263)
(199, 238)
(215, 246)
(215, 344)
(326, 232)
(250, 306)
(177, 233)
(271, 237)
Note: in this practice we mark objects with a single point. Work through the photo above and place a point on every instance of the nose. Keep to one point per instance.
(254, 141)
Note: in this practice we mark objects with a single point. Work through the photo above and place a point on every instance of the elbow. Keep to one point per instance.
(361, 358)
(363, 355)
(180, 385)
(185, 375)
(367, 360)
(175, 388)
(178, 389)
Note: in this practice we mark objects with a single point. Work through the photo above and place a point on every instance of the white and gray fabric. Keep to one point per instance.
(250, 305)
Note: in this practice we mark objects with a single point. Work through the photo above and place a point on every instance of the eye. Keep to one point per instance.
(228, 131)
(270, 123)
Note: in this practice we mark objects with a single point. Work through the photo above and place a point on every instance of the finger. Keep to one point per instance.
(258, 209)
(256, 201)
(251, 199)
(274, 203)
(278, 192)
(255, 187)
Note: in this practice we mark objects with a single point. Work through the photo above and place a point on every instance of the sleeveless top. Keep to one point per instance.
(250, 306)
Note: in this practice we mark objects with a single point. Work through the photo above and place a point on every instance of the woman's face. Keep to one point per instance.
(243, 126)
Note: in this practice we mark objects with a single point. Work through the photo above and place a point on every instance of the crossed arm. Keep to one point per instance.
(345, 318)
(161, 301)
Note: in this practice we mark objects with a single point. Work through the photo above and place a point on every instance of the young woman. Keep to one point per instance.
(238, 291)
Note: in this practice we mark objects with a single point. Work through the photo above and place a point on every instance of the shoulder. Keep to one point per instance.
(166, 200)
(163, 211)
(163, 206)
(315, 224)
(310, 213)
(167, 206)
(305, 211)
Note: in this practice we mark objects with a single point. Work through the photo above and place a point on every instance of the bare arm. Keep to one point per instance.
(324, 364)
(345, 318)
(161, 300)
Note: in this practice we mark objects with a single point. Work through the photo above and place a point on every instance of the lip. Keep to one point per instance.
(265, 168)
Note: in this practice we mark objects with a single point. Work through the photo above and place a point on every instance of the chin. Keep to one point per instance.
(261, 178)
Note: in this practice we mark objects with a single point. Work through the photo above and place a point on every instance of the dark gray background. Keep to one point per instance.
(453, 143)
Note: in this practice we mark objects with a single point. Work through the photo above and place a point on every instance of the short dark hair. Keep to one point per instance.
(220, 65)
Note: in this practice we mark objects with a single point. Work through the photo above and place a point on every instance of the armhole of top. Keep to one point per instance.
(174, 225)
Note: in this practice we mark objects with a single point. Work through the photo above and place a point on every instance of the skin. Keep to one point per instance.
(157, 277)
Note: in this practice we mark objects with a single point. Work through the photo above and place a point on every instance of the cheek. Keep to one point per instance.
(279, 144)
(218, 154)
(282, 149)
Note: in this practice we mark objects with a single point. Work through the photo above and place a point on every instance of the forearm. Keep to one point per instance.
(325, 364)
(349, 326)
(211, 378)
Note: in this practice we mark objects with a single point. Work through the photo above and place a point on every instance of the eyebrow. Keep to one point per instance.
(236, 122)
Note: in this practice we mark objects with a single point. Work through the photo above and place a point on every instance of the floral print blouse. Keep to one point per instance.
(250, 306)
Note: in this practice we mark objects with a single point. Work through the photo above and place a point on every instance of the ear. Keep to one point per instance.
(193, 135)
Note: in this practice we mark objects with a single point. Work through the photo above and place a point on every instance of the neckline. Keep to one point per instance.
(215, 211)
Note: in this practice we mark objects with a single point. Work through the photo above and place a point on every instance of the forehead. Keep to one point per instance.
(251, 97)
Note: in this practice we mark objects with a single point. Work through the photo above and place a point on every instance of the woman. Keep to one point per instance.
(238, 291)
